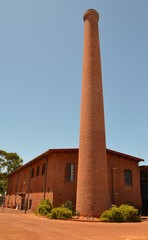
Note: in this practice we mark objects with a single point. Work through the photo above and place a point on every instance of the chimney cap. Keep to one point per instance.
(90, 12)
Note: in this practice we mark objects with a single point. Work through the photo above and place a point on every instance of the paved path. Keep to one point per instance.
(20, 226)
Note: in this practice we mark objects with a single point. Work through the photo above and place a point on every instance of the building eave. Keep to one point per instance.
(125, 155)
(45, 154)
(50, 151)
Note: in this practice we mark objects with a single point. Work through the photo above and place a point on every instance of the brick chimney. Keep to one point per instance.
(92, 188)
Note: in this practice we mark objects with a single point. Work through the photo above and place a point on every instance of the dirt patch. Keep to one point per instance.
(16, 225)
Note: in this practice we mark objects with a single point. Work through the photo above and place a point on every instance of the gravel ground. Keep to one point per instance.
(16, 225)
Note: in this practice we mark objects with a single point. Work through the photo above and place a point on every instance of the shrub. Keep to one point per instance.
(112, 215)
(124, 213)
(60, 213)
(44, 207)
(129, 213)
(68, 204)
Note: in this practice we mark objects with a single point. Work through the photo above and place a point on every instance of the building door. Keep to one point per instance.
(30, 203)
(23, 204)
(144, 193)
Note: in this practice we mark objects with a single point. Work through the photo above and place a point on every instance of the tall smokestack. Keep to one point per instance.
(92, 189)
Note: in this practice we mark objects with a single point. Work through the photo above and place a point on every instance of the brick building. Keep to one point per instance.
(96, 177)
(53, 175)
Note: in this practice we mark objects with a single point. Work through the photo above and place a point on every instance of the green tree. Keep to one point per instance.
(8, 163)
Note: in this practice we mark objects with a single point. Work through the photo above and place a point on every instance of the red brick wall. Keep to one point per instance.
(120, 193)
(58, 190)
(64, 190)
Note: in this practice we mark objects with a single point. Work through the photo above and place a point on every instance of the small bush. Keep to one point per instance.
(124, 213)
(44, 207)
(112, 215)
(129, 213)
(68, 204)
(60, 213)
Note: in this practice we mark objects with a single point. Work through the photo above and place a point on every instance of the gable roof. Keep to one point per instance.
(49, 151)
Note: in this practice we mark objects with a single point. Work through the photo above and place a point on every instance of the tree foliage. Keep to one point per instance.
(8, 163)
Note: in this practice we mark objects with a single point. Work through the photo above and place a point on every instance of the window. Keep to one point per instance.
(32, 173)
(70, 172)
(43, 169)
(128, 178)
(37, 171)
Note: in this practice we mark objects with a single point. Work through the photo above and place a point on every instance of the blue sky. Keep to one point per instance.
(41, 49)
